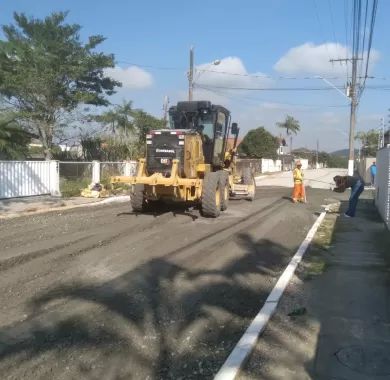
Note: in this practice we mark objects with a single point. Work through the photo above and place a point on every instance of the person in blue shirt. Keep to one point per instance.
(373, 173)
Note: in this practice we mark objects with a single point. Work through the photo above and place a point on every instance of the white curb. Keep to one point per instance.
(244, 347)
(119, 198)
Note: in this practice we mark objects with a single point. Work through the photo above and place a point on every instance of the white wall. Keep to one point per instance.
(382, 199)
(30, 178)
(304, 162)
(268, 165)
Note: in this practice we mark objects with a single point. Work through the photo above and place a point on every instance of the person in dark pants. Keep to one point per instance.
(357, 186)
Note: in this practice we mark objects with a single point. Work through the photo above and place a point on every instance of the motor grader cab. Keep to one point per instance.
(191, 161)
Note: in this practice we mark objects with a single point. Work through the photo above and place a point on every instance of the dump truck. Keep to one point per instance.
(192, 161)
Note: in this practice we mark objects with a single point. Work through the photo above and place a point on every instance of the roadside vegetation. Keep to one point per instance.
(316, 259)
(72, 187)
(49, 79)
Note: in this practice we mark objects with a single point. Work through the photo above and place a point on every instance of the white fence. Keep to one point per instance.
(304, 162)
(30, 178)
(27, 178)
(268, 165)
(382, 184)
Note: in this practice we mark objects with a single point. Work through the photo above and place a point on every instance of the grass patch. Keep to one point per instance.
(72, 187)
(316, 261)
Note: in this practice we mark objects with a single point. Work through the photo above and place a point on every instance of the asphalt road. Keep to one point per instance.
(101, 293)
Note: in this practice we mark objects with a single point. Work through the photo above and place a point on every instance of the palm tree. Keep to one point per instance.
(291, 126)
(119, 120)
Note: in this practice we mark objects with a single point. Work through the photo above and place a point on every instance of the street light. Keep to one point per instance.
(191, 73)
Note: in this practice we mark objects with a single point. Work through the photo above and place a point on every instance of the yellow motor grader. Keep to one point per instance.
(191, 161)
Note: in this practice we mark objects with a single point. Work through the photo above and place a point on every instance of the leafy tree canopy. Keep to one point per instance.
(369, 142)
(259, 143)
(126, 130)
(118, 120)
(291, 125)
(45, 70)
(13, 138)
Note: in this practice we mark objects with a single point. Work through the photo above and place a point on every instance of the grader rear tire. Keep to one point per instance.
(211, 195)
(137, 198)
(225, 190)
(249, 180)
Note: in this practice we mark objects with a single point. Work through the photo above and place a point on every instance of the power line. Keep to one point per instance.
(230, 96)
(320, 25)
(346, 34)
(364, 36)
(373, 17)
(265, 76)
(273, 88)
(332, 20)
(153, 67)
(288, 88)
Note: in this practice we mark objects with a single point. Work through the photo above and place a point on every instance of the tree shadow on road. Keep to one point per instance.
(163, 208)
(161, 319)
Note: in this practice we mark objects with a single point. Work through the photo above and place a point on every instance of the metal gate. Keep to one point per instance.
(24, 178)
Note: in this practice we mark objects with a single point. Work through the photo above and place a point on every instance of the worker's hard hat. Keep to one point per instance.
(298, 163)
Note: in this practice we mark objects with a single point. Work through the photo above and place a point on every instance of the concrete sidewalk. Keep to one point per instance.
(14, 207)
(339, 323)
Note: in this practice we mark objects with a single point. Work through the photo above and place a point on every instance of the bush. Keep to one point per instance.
(71, 187)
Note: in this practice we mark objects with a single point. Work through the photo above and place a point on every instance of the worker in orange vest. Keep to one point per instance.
(298, 194)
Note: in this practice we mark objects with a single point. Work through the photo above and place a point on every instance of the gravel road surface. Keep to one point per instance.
(102, 293)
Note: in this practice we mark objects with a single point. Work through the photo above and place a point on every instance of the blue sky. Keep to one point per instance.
(279, 38)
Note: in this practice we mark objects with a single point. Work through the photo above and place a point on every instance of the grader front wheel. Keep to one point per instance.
(211, 195)
(225, 190)
(137, 198)
(249, 180)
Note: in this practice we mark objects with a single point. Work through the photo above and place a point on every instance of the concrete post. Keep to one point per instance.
(54, 178)
(130, 168)
(127, 169)
(95, 172)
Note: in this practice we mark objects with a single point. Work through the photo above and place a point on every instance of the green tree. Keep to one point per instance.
(335, 161)
(130, 125)
(106, 149)
(119, 120)
(144, 123)
(291, 126)
(13, 139)
(46, 72)
(259, 143)
(369, 142)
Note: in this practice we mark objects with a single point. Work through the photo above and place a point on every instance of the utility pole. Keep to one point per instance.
(381, 134)
(165, 109)
(317, 163)
(354, 102)
(352, 121)
(191, 75)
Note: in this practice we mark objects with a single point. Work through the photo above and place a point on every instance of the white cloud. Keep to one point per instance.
(132, 77)
(314, 59)
(230, 72)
